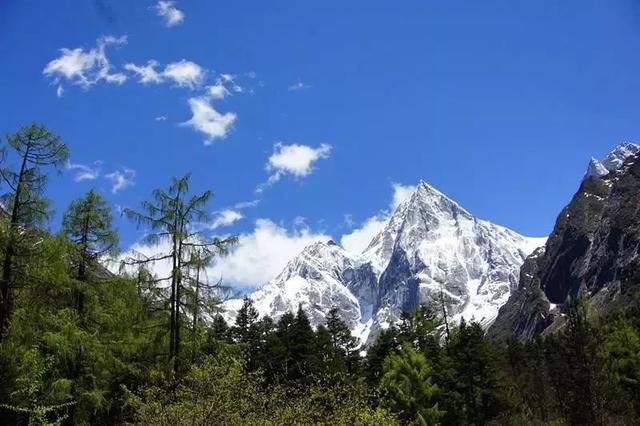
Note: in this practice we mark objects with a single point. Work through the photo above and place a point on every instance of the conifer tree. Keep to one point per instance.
(584, 370)
(420, 329)
(34, 148)
(302, 349)
(219, 328)
(343, 344)
(172, 215)
(247, 316)
(88, 224)
(475, 377)
(386, 343)
(407, 387)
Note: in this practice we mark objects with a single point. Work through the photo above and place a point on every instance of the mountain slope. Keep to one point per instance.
(594, 251)
(431, 246)
(441, 251)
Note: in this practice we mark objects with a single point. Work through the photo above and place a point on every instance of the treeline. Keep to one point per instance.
(80, 345)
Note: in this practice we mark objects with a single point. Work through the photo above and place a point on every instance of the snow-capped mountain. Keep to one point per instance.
(430, 249)
(612, 161)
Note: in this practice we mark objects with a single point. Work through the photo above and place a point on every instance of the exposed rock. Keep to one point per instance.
(593, 251)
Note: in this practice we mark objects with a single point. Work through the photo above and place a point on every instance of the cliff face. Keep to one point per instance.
(593, 251)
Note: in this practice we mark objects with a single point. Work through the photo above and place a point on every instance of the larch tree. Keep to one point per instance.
(173, 215)
(34, 148)
(88, 224)
(203, 296)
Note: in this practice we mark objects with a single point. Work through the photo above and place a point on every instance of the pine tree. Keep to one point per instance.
(407, 387)
(344, 355)
(219, 329)
(35, 148)
(420, 328)
(580, 342)
(302, 353)
(247, 316)
(476, 376)
(171, 215)
(387, 343)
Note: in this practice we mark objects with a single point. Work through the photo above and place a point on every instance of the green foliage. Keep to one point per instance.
(35, 148)
(172, 216)
(87, 223)
(407, 387)
(221, 392)
(79, 345)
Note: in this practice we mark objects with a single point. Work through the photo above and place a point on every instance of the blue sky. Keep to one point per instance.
(498, 104)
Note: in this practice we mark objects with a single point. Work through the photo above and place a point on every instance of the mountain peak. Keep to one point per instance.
(434, 200)
(613, 161)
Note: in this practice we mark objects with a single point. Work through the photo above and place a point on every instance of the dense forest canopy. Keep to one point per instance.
(80, 345)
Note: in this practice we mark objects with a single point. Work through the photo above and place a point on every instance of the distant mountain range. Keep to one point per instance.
(432, 250)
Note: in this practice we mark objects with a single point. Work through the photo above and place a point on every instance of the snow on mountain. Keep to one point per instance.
(433, 249)
(595, 168)
(613, 160)
(430, 249)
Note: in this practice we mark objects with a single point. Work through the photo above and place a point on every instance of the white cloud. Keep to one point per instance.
(226, 217)
(85, 68)
(218, 91)
(358, 239)
(224, 86)
(246, 204)
(59, 91)
(401, 193)
(295, 159)
(161, 118)
(185, 73)
(120, 179)
(85, 171)
(260, 255)
(205, 119)
(146, 73)
(298, 85)
(171, 15)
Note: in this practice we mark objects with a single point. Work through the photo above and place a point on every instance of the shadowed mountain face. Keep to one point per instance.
(594, 251)
(430, 250)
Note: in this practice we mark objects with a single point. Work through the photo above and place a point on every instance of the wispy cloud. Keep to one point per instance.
(206, 119)
(161, 118)
(147, 73)
(296, 160)
(246, 204)
(298, 85)
(85, 67)
(183, 73)
(167, 10)
(121, 178)
(84, 172)
(226, 217)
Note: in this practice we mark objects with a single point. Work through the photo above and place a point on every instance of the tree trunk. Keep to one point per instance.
(7, 265)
